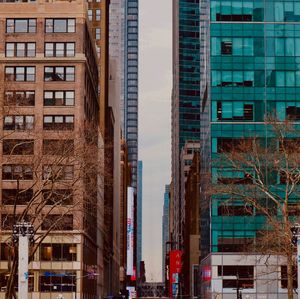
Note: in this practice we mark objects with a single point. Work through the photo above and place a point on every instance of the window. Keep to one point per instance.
(58, 281)
(90, 14)
(59, 73)
(235, 244)
(226, 145)
(64, 147)
(4, 254)
(62, 196)
(59, 49)
(98, 33)
(19, 98)
(58, 172)
(226, 48)
(229, 176)
(231, 210)
(17, 172)
(20, 196)
(58, 122)
(20, 73)
(60, 26)
(293, 112)
(62, 222)
(98, 14)
(18, 122)
(20, 25)
(4, 274)
(20, 49)
(234, 111)
(284, 276)
(18, 146)
(59, 98)
(58, 252)
(245, 276)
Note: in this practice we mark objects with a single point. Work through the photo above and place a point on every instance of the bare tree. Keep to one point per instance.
(263, 174)
(58, 185)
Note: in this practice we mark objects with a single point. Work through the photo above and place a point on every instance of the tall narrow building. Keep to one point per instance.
(249, 69)
(130, 106)
(50, 119)
(165, 229)
(185, 95)
(139, 216)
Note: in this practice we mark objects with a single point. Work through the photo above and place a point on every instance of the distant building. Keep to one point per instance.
(139, 217)
(185, 95)
(165, 229)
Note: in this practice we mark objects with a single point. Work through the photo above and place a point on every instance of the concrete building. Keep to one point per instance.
(185, 94)
(139, 218)
(165, 229)
(191, 233)
(249, 70)
(186, 159)
(49, 95)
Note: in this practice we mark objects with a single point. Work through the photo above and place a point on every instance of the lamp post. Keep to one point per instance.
(23, 232)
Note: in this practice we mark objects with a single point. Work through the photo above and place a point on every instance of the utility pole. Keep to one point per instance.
(23, 232)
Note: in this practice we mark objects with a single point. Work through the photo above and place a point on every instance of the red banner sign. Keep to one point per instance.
(175, 267)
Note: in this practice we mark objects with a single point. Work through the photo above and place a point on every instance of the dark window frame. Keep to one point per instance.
(15, 50)
(13, 26)
(56, 76)
(55, 50)
(50, 26)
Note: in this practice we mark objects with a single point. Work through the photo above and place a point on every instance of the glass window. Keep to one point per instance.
(90, 14)
(20, 49)
(21, 25)
(10, 50)
(60, 25)
(98, 14)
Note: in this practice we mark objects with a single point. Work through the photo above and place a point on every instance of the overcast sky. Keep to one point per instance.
(155, 75)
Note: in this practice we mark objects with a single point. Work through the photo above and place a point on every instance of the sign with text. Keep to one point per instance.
(175, 269)
(130, 230)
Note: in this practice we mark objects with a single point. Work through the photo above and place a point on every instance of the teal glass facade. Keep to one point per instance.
(189, 71)
(250, 68)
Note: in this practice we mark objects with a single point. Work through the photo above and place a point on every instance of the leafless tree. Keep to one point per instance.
(263, 174)
(57, 183)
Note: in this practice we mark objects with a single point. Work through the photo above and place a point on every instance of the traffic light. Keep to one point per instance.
(294, 231)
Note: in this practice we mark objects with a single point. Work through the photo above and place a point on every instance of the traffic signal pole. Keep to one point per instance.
(23, 232)
(23, 267)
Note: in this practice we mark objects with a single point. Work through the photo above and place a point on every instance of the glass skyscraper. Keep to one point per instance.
(250, 55)
(185, 93)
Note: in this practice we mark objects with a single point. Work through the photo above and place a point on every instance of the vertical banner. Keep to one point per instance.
(130, 230)
(175, 269)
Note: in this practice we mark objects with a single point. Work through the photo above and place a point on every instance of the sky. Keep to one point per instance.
(155, 79)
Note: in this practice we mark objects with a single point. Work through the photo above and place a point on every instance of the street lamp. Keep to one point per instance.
(23, 232)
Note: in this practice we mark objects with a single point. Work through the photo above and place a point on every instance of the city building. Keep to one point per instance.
(165, 229)
(50, 125)
(125, 183)
(185, 94)
(186, 159)
(139, 217)
(249, 69)
(130, 106)
(191, 234)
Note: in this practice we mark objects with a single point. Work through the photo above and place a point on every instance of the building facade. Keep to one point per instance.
(165, 229)
(185, 93)
(249, 61)
(130, 106)
(50, 112)
(139, 218)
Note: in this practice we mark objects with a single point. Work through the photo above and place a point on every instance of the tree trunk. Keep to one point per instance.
(290, 274)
